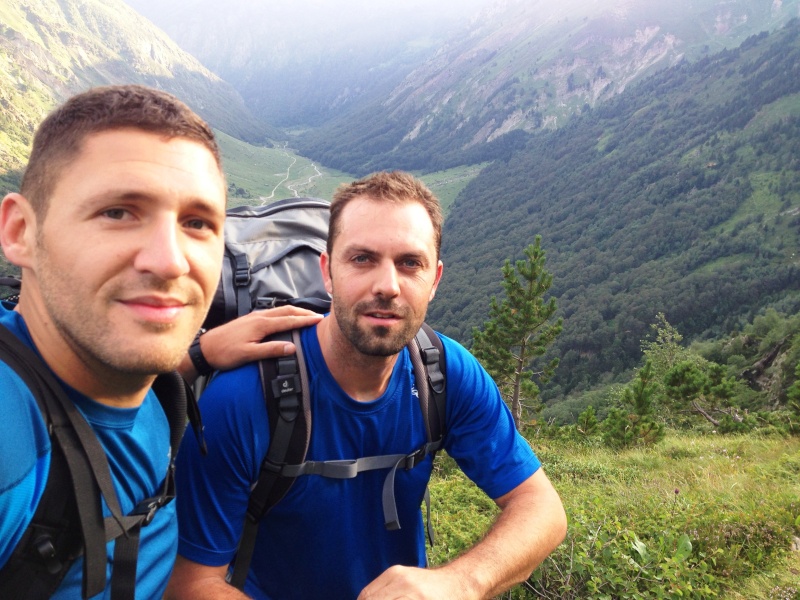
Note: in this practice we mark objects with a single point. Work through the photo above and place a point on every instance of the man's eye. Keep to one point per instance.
(115, 213)
(360, 259)
(197, 224)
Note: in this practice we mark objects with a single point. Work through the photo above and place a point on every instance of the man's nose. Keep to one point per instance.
(163, 253)
(386, 282)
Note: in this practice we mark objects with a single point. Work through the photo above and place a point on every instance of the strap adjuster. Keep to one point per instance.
(413, 459)
(148, 508)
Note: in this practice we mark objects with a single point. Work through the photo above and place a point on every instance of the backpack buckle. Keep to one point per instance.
(46, 550)
(148, 508)
(241, 275)
(413, 459)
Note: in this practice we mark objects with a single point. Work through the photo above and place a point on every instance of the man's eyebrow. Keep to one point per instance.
(357, 249)
(418, 256)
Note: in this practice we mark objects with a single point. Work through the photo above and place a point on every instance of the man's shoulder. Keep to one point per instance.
(19, 407)
(456, 355)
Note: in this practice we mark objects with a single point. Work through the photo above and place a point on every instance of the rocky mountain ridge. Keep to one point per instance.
(531, 65)
(50, 50)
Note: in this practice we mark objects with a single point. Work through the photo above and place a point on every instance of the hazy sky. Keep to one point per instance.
(318, 14)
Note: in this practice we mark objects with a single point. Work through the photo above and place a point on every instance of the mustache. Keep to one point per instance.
(147, 284)
(381, 304)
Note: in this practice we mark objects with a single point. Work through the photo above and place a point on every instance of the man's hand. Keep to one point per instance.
(416, 584)
(239, 341)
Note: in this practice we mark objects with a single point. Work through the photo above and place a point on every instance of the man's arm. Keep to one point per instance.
(240, 341)
(531, 524)
(193, 581)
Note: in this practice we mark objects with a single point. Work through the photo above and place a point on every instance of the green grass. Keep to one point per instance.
(736, 499)
(787, 106)
(269, 174)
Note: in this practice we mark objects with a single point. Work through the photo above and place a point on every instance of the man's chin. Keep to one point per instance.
(382, 342)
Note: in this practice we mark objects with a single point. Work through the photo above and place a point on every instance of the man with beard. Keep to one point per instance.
(118, 232)
(326, 538)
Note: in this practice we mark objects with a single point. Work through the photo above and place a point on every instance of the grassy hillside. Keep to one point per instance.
(680, 196)
(50, 50)
(257, 174)
(697, 516)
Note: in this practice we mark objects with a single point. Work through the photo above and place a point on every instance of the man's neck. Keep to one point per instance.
(101, 383)
(363, 378)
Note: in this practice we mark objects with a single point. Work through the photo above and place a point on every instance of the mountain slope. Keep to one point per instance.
(302, 63)
(527, 65)
(52, 49)
(680, 195)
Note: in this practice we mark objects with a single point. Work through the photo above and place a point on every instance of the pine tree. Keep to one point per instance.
(519, 330)
(633, 423)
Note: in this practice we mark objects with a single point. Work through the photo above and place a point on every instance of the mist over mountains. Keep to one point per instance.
(372, 85)
(302, 63)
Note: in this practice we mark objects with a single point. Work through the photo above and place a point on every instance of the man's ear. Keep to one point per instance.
(17, 229)
(325, 268)
(439, 269)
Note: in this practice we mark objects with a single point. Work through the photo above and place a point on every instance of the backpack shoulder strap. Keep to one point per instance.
(178, 400)
(430, 366)
(69, 520)
(286, 394)
(431, 369)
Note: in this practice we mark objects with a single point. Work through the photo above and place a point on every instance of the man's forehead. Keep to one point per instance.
(368, 204)
(385, 228)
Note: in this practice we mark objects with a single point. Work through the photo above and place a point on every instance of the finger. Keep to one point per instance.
(274, 323)
(272, 350)
(281, 311)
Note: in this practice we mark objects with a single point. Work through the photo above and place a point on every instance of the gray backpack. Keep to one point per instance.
(272, 259)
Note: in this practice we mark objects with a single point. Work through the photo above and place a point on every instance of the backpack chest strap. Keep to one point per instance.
(349, 469)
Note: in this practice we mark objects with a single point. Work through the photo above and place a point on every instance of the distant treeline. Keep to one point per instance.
(681, 196)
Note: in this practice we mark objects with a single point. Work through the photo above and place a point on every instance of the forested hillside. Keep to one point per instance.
(681, 195)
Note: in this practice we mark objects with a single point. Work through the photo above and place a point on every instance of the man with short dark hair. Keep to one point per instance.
(118, 231)
(326, 538)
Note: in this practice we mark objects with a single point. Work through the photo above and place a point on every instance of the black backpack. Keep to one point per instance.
(68, 521)
(272, 259)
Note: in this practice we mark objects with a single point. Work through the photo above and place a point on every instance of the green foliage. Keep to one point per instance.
(607, 559)
(764, 353)
(519, 331)
(793, 393)
(665, 351)
(693, 517)
(704, 390)
(633, 424)
(587, 422)
(669, 198)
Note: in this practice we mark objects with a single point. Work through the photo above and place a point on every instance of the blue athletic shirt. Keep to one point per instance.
(136, 442)
(326, 538)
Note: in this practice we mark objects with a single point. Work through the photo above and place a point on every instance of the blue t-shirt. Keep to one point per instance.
(136, 442)
(326, 538)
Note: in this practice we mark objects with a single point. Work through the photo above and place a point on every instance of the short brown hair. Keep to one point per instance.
(59, 137)
(394, 186)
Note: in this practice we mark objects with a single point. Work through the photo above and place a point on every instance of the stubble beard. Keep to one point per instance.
(375, 341)
(92, 337)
